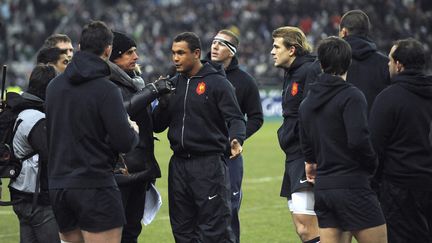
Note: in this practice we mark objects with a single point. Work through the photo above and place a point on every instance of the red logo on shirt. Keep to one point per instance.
(201, 88)
(294, 89)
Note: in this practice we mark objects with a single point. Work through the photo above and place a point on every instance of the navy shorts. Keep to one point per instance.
(348, 209)
(408, 213)
(90, 209)
(294, 179)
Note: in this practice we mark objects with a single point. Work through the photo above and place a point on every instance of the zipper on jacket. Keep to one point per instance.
(184, 113)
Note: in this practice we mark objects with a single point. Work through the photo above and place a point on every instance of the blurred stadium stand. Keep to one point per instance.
(25, 24)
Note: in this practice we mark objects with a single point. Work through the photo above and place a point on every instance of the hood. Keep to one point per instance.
(120, 76)
(299, 61)
(85, 67)
(326, 87)
(361, 47)
(24, 101)
(415, 82)
(210, 67)
(233, 64)
(217, 65)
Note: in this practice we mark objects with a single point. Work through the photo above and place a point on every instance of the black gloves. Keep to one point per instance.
(141, 99)
(162, 86)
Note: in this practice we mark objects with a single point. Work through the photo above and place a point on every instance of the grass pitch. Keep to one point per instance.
(264, 216)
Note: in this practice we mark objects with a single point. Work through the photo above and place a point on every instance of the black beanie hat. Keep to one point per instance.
(121, 43)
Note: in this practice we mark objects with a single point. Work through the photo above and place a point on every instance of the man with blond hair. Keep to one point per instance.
(291, 52)
(223, 52)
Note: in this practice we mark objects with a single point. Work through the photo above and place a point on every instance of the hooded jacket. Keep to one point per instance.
(400, 122)
(247, 95)
(295, 80)
(369, 68)
(30, 138)
(141, 162)
(335, 135)
(202, 115)
(87, 125)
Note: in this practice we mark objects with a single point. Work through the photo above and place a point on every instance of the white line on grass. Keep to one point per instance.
(263, 179)
(6, 212)
(8, 235)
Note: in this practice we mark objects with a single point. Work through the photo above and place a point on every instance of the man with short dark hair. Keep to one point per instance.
(30, 188)
(87, 128)
(61, 41)
(339, 155)
(203, 116)
(368, 70)
(223, 51)
(400, 123)
(54, 56)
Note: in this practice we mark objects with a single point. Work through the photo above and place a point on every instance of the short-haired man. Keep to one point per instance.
(54, 56)
(87, 128)
(400, 123)
(61, 41)
(223, 51)
(34, 211)
(291, 52)
(203, 116)
(339, 155)
(141, 163)
(368, 70)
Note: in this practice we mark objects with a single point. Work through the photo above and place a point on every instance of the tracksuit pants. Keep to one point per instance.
(236, 176)
(199, 199)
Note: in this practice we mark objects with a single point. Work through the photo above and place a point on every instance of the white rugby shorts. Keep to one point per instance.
(302, 203)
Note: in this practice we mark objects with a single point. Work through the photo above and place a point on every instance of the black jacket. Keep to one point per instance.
(369, 68)
(400, 122)
(296, 77)
(87, 125)
(141, 162)
(201, 113)
(247, 95)
(335, 135)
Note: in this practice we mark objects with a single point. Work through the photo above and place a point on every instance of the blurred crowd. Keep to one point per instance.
(25, 24)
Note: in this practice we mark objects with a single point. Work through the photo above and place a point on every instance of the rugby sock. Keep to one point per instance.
(314, 240)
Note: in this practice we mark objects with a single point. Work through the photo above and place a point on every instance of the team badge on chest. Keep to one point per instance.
(294, 89)
(201, 88)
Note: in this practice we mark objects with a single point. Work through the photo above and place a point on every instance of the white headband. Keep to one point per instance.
(226, 43)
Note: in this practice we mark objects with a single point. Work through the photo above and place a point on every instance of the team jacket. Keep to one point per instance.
(202, 115)
(292, 95)
(335, 135)
(369, 68)
(401, 122)
(141, 162)
(247, 95)
(87, 125)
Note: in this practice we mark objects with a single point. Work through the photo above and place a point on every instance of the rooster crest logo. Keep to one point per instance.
(201, 88)
(294, 89)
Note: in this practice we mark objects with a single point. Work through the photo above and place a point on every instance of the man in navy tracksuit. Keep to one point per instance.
(400, 123)
(223, 50)
(87, 127)
(203, 116)
(368, 70)
(339, 155)
(291, 51)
